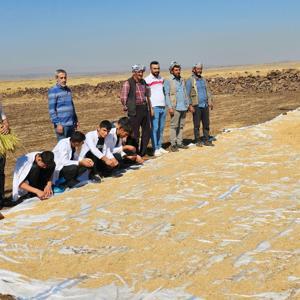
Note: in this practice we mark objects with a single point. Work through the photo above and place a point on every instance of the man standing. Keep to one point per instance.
(61, 107)
(69, 160)
(135, 98)
(156, 83)
(200, 97)
(178, 104)
(96, 149)
(32, 176)
(4, 129)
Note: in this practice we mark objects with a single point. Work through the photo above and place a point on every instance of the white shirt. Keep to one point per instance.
(90, 144)
(157, 93)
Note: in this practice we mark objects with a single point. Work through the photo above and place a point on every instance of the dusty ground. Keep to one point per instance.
(30, 120)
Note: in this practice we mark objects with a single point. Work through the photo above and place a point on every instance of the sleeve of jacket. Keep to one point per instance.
(52, 104)
(188, 88)
(167, 93)
(91, 145)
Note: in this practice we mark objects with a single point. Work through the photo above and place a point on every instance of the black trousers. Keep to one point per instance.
(201, 115)
(70, 174)
(141, 120)
(2, 178)
(99, 166)
(39, 177)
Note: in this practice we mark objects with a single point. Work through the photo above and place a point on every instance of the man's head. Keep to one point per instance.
(77, 139)
(155, 68)
(61, 77)
(175, 68)
(104, 128)
(197, 69)
(45, 160)
(138, 72)
(124, 128)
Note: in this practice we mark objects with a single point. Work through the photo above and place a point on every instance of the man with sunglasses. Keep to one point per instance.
(32, 176)
(61, 107)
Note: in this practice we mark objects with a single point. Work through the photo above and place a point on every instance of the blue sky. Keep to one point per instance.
(103, 36)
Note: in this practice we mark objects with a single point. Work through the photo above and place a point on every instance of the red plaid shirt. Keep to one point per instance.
(139, 95)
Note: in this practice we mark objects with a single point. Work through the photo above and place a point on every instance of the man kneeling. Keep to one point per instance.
(32, 176)
(69, 160)
(122, 145)
(96, 149)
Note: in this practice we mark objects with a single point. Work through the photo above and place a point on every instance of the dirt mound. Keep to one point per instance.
(274, 81)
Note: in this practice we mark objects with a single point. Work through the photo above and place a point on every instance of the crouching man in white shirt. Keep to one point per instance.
(122, 145)
(96, 148)
(32, 176)
(69, 159)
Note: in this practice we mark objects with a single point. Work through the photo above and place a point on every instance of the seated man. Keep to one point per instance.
(69, 160)
(32, 176)
(97, 150)
(122, 145)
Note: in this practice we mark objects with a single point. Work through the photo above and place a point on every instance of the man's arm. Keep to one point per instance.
(25, 186)
(91, 145)
(52, 104)
(124, 94)
(188, 88)
(167, 93)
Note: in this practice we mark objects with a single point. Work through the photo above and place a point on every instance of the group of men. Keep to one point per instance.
(147, 102)
(98, 153)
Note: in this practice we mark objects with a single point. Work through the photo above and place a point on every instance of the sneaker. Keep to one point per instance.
(163, 151)
(208, 143)
(57, 189)
(157, 153)
(174, 148)
(95, 178)
(182, 146)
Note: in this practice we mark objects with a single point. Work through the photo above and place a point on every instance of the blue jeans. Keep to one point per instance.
(68, 131)
(158, 125)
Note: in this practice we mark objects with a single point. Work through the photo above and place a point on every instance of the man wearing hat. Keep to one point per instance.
(33, 174)
(178, 104)
(135, 98)
(200, 97)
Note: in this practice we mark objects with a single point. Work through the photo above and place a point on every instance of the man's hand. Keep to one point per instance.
(48, 190)
(76, 127)
(139, 159)
(110, 162)
(171, 112)
(151, 111)
(86, 162)
(191, 109)
(211, 106)
(59, 129)
(129, 148)
(40, 194)
(4, 129)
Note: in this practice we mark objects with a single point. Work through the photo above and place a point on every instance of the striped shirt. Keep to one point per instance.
(61, 106)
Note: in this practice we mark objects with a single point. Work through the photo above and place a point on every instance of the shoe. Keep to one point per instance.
(163, 151)
(199, 144)
(95, 178)
(58, 189)
(208, 143)
(157, 153)
(182, 146)
(174, 148)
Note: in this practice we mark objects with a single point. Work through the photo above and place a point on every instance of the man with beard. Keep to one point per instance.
(61, 107)
(200, 97)
(156, 84)
(178, 104)
(135, 98)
